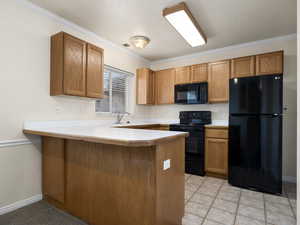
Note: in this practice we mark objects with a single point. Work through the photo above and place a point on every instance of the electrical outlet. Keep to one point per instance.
(58, 109)
(167, 164)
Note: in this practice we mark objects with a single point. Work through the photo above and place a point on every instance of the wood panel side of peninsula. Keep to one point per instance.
(107, 184)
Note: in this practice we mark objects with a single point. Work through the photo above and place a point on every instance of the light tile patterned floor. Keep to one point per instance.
(209, 201)
(212, 201)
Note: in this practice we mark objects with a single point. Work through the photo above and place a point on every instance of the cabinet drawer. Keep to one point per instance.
(216, 133)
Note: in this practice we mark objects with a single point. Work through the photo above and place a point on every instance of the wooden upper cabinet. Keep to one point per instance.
(182, 75)
(243, 67)
(164, 83)
(145, 86)
(76, 67)
(94, 71)
(160, 86)
(269, 63)
(199, 73)
(218, 81)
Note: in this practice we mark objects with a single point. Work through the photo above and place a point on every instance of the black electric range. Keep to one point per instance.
(193, 122)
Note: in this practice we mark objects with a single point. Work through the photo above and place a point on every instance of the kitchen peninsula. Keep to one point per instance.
(111, 176)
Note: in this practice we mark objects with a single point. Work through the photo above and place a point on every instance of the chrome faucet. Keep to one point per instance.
(120, 116)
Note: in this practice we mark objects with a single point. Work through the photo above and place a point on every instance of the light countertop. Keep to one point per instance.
(103, 131)
(100, 132)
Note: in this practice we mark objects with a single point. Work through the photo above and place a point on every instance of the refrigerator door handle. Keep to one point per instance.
(273, 115)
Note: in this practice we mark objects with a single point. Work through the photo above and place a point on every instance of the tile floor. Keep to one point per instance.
(212, 201)
(209, 201)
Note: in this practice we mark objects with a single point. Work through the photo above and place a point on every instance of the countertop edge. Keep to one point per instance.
(216, 126)
(133, 143)
(132, 126)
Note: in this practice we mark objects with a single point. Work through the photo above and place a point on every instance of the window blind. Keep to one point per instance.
(115, 90)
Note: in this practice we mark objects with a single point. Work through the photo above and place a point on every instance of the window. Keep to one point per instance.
(115, 90)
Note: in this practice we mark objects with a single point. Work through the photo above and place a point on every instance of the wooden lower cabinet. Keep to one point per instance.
(115, 185)
(149, 127)
(53, 157)
(161, 127)
(216, 152)
(78, 179)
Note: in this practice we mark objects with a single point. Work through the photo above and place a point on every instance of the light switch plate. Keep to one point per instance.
(167, 164)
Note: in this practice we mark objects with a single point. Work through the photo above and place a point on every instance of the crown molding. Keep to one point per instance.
(70, 24)
(77, 27)
(228, 48)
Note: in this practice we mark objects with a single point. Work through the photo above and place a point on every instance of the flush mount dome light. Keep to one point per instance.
(139, 41)
(180, 17)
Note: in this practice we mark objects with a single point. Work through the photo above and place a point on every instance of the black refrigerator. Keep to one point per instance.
(255, 133)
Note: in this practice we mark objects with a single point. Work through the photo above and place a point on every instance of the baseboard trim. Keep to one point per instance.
(19, 204)
(289, 179)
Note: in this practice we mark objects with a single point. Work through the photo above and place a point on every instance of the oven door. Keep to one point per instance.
(194, 143)
(191, 93)
(194, 148)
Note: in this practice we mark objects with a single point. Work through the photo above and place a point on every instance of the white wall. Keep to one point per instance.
(220, 111)
(24, 90)
(298, 107)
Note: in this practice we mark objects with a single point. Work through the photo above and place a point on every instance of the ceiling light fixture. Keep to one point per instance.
(180, 17)
(139, 41)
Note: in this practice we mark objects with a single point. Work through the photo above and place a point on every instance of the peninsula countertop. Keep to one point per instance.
(100, 133)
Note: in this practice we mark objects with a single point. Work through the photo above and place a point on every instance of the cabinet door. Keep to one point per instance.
(78, 179)
(145, 86)
(243, 67)
(54, 168)
(164, 83)
(216, 156)
(269, 63)
(74, 66)
(199, 73)
(182, 75)
(94, 74)
(218, 81)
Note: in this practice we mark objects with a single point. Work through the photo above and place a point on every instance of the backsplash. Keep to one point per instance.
(219, 111)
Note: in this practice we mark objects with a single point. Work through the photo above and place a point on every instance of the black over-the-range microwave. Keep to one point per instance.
(195, 93)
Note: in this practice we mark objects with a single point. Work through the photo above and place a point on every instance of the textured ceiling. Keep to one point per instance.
(225, 23)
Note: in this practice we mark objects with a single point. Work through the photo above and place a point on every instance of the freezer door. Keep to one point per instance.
(256, 95)
(255, 152)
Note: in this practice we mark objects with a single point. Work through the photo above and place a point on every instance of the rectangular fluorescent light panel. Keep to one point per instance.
(186, 26)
